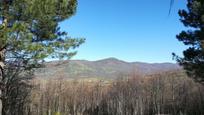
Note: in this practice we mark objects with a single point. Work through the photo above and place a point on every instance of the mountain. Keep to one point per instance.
(110, 68)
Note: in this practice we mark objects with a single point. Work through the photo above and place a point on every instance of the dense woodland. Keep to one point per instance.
(169, 93)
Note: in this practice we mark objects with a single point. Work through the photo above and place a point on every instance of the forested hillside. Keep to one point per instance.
(110, 68)
(171, 93)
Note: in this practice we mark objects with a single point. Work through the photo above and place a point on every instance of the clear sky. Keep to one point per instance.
(130, 30)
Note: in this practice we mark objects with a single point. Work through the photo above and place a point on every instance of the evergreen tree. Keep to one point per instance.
(29, 33)
(193, 19)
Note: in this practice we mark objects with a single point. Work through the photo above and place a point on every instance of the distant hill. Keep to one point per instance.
(109, 68)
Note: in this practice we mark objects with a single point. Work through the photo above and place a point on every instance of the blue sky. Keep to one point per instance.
(130, 30)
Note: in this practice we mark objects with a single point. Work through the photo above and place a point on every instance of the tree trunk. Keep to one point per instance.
(1, 105)
(2, 54)
(2, 59)
(2, 65)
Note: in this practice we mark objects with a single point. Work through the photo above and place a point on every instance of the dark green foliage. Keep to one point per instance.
(32, 29)
(193, 19)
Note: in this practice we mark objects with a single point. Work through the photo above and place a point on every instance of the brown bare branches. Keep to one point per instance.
(168, 93)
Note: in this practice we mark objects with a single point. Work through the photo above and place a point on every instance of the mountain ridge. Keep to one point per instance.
(109, 68)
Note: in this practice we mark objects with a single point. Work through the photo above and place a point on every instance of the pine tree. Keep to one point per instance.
(30, 32)
(193, 19)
